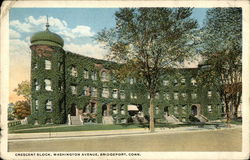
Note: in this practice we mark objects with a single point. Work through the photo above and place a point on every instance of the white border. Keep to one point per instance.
(109, 4)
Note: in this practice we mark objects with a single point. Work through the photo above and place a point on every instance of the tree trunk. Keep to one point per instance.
(236, 111)
(227, 114)
(151, 124)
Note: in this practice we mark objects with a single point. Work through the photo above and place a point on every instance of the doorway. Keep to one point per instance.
(194, 110)
(73, 110)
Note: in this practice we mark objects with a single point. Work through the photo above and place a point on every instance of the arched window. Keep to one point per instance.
(47, 84)
(104, 76)
(48, 106)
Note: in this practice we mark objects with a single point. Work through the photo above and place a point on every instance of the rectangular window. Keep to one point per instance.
(157, 95)
(37, 86)
(184, 95)
(131, 80)
(48, 106)
(94, 76)
(193, 81)
(104, 76)
(93, 92)
(175, 82)
(175, 109)
(167, 96)
(48, 85)
(73, 90)
(184, 109)
(209, 108)
(35, 66)
(36, 105)
(131, 95)
(85, 91)
(123, 109)
(176, 95)
(114, 109)
(209, 93)
(85, 74)
(122, 94)
(74, 72)
(115, 93)
(183, 81)
(165, 82)
(105, 92)
(194, 95)
(47, 65)
(156, 110)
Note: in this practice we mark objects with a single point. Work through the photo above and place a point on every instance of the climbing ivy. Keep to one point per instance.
(62, 97)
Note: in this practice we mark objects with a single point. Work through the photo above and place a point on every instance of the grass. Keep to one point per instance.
(94, 127)
(75, 128)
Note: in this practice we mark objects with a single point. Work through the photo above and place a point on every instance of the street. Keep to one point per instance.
(210, 140)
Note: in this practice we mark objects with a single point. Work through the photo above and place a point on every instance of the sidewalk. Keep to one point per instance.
(109, 132)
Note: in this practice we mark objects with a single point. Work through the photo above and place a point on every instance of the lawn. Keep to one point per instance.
(94, 127)
(60, 128)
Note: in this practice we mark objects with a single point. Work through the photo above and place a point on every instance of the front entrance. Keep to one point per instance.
(104, 110)
(166, 111)
(194, 110)
(73, 110)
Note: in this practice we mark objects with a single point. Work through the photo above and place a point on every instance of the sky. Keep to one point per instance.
(76, 26)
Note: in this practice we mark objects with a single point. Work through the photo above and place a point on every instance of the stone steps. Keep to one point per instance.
(75, 120)
(107, 120)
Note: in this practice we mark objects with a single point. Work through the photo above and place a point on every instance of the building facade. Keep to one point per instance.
(75, 89)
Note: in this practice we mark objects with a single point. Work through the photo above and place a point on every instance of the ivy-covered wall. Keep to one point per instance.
(175, 93)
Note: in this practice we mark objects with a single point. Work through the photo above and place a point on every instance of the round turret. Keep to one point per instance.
(46, 38)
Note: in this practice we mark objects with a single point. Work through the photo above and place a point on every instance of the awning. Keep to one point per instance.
(132, 108)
